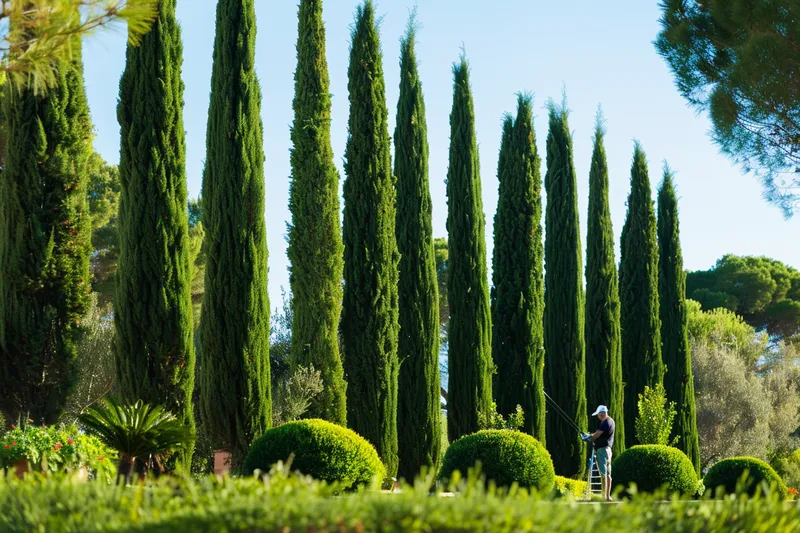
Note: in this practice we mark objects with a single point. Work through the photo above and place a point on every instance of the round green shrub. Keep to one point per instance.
(318, 449)
(729, 472)
(566, 487)
(654, 466)
(506, 457)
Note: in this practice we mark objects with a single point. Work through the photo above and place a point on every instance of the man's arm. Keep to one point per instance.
(595, 435)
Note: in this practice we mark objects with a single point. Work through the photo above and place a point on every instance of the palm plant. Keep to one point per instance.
(143, 434)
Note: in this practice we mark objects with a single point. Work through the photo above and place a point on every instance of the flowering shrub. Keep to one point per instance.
(57, 449)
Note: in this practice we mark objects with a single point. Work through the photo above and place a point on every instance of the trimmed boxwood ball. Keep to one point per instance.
(321, 450)
(653, 466)
(505, 456)
(728, 472)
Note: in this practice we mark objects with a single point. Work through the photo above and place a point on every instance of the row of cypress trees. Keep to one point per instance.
(530, 336)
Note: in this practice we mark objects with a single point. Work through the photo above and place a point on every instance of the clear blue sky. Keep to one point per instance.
(601, 52)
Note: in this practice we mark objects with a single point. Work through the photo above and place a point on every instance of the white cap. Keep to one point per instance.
(600, 409)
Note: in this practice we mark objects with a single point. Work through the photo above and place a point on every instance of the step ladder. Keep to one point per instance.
(594, 483)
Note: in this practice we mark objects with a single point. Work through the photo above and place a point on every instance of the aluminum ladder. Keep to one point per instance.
(594, 483)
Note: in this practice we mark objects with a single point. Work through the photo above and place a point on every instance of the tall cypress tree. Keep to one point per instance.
(565, 371)
(638, 294)
(370, 307)
(602, 330)
(234, 327)
(518, 285)
(470, 364)
(418, 408)
(678, 379)
(315, 238)
(45, 231)
(153, 302)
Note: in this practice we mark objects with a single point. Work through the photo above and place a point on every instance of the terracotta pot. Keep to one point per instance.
(222, 462)
(21, 468)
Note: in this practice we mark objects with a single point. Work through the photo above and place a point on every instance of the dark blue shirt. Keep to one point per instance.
(606, 438)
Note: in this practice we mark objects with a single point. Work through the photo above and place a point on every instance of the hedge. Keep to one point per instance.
(564, 487)
(652, 467)
(505, 457)
(291, 504)
(319, 449)
(725, 477)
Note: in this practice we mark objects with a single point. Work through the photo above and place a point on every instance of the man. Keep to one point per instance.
(603, 440)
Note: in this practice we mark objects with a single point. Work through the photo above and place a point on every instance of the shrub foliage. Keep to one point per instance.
(319, 449)
(743, 474)
(654, 466)
(505, 457)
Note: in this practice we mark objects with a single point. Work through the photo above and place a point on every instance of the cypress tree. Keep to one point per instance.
(678, 379)
(153, 302)
(518, 286)
(638, 294)
(418, 408)
(45, 232)
(370, 306)
(234, 327)
(470, 367)
(315, 238)
(565, 372)
(602, 330)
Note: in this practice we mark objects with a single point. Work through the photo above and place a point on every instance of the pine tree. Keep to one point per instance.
(418, 408)
(518, 286)
(565, 372)
(638, 294)
(602, 329)
(153, 303)
(315, 238)
(45, 232)
(470, 366)
(678, 379)
(370, 305)
(234, 327)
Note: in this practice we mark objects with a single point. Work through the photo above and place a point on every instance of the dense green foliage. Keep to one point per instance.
(441, 254)
(602, 330)
(319, 449)
(152, 302)
(569, 488)
(652, 467)
(655, 417)
(469, 331)
(370, 307)
(721, 327)
(677, 357)
(315, 238)
(234, 328)
(291, 503)
(505, 457)
(743, 474)
(738, 59)
(565, 371)
(517, 276)
(638, 293)
(764, 291)
(45, 231)
(419, 416)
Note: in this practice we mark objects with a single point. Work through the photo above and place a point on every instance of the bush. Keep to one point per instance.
(789, 468)
(653, 424)
(565, 487)
(319, 449)
(652, 467)
(727, 476)
(506, 457)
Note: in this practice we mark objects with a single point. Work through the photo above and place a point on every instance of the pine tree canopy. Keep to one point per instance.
(370, 304)
(315, 250)
(638, 292)
(234, 329)
(602, 329)
(678, 379)
(565, 372)
(517, 274)
(470, 367)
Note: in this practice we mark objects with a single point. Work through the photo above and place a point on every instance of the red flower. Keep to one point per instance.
(100, 458)
(57, 446)
(14, 443)
(69, 441)
(7, 446)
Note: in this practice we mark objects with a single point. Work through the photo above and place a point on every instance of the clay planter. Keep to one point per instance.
(222, 462)
(21, 468)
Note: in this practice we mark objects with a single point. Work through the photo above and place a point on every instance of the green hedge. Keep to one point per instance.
(505, 456)
(318, 449)
(652, 467)
(725, 476)
(564, 487)
(289, 504)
